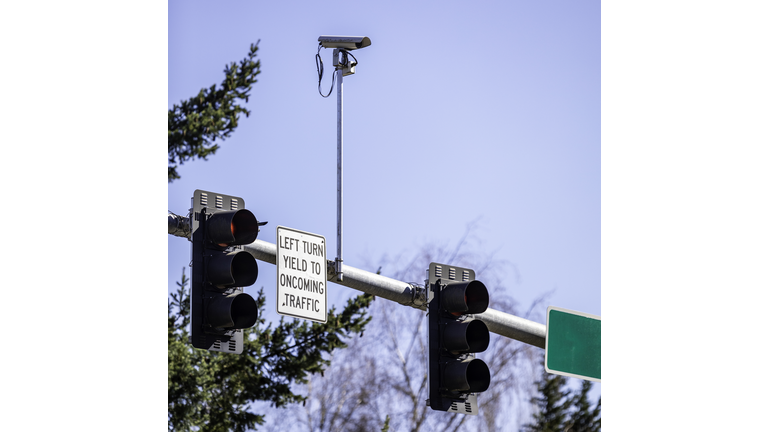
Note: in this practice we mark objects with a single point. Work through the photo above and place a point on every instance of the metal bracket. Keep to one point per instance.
(419, 296)
(179, 226)
(338, 269)
(342, 62)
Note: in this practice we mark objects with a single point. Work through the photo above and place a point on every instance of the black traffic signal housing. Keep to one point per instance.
(455, 375)
(219, 308)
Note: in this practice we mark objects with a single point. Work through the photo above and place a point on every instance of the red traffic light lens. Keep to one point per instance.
(232, 227)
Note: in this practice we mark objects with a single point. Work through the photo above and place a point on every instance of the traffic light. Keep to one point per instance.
(455, 375)
(219, 308)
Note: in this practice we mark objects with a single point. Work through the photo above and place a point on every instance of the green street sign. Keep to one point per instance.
(573, 344)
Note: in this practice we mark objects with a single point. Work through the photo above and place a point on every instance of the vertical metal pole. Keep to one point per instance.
(339, 178)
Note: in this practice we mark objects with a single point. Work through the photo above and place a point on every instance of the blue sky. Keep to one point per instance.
(497, 104)
(620, 161)
(459, 113)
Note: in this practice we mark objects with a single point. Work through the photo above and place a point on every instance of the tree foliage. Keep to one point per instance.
(384, 374)
(584, 418)
(194, 126)
(211, 392)
(560, 410)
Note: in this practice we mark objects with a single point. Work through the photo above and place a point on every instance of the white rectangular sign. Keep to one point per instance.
(302, 276)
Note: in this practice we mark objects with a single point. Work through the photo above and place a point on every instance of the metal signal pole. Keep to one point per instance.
(404, 293)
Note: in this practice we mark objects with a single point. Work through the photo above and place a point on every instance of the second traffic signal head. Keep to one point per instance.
(455, 375)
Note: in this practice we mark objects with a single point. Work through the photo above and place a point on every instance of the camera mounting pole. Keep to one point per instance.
(343, 66)
(339, 155)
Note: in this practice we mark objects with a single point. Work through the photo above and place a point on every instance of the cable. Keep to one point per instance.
(343, 61)
(319, 64)
(355, 62)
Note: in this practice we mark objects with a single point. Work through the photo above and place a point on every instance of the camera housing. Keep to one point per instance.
(348, 43)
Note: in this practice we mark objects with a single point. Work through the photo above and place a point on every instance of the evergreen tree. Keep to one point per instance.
(212, 392)
(558, 411)
(552, 403)
(585, 419)
(194, 126)
(209, 391)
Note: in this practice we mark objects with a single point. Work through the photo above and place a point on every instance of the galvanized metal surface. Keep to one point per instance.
(407, 294)
(498, 322)
(514, 327)
(178, 225)
(339, 177)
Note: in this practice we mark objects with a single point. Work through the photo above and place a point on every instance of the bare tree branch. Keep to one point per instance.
(385, 372)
